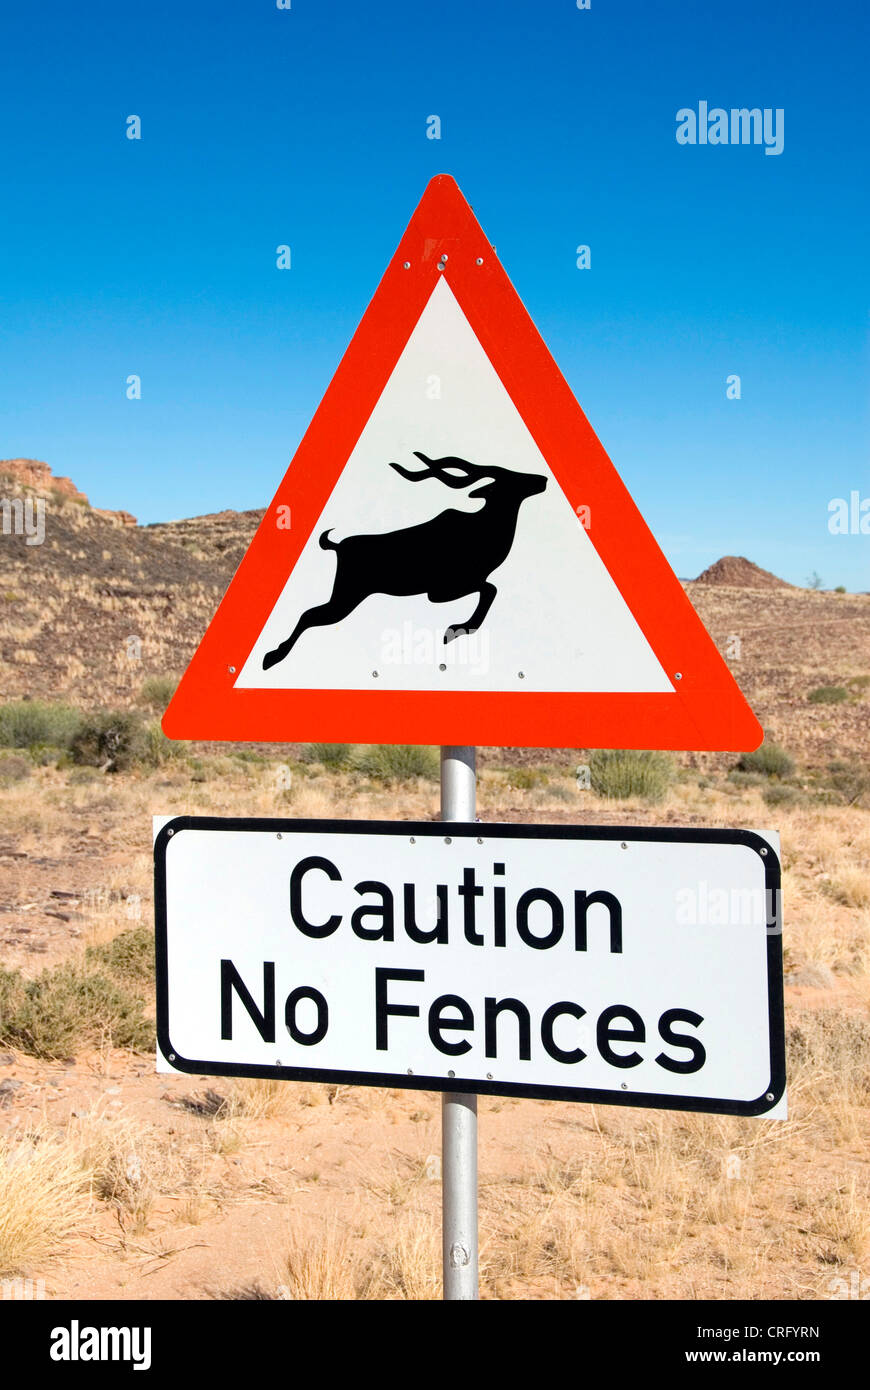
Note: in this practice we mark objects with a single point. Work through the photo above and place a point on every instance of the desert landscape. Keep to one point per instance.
(119, 1183)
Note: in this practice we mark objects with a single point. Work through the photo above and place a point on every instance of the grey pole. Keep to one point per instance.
(458, 1109)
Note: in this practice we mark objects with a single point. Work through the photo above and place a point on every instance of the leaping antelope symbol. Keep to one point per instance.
(446, 558)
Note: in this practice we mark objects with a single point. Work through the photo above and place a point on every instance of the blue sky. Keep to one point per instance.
(307, 127)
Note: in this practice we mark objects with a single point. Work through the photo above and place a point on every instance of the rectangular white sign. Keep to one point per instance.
(607, 964)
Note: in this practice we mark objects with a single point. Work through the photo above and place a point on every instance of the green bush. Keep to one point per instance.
(335, 756)
(780, 794)
(30, 723)
(525, 778)
(622, 772)
(78, 1004)
(83, 776)
(157, 691)
(116, 741)
(396, 762)
(14, 768)
(828, 695)
(747, 779)
(850, 784)
(769, 759)
(560, 792)
(128, 957)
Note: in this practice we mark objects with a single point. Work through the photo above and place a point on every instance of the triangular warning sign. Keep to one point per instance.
(451, 557)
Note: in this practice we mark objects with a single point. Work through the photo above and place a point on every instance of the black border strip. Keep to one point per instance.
(497, 830)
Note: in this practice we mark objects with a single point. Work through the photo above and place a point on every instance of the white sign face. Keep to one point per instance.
(445, 401)
(629, 966)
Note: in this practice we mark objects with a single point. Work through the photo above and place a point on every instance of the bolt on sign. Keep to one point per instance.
(451, 557)
(628, 966)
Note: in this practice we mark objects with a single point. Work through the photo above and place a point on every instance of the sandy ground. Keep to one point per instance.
(234, 1189)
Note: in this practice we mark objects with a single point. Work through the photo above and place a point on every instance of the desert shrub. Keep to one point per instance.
(832, 1042)
(780, 794)
(849, 783)
(14, 769)
(396, 762)
(746, 779)
(128, 957)
(840, 589)
(769, 759)
(157, 691)
(525, 778)
(828, 695)
(83, 776)
(32, 723)
(560, 792)
(158, 747)
(624, 772)
(116, 741)
(335, 756)
(69, 1007)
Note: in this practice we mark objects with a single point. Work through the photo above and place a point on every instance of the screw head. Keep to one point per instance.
(522, 675)
(407, 265)
(374, 673)
(479, 261)
(451, 1074)
(678, 675)
(170, 832)
(232, 670)
(172, 1056)
(769, 1096)
(448, 840)
(762, 851)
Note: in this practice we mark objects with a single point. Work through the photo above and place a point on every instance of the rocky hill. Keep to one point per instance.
(102, 603)
(739, 573)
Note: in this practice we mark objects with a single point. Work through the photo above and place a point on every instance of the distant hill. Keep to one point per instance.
(104, 603)
(739, 573)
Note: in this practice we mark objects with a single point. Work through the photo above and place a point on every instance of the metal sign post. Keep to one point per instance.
(459, 1109)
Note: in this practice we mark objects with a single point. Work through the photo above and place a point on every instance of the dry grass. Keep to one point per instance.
(323, 1267)
(122, 1161)
(261, 1098)
(406, 1260)
(44, 1197)
(575, 1202)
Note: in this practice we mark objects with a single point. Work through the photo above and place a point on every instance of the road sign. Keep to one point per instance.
(451, 557)
(628, 966)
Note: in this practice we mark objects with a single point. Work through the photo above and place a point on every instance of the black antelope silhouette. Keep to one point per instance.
(446, 558)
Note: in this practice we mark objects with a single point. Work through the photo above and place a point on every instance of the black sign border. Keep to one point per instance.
(492, 830)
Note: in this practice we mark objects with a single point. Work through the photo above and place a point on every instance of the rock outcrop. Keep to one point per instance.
(38, 477)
